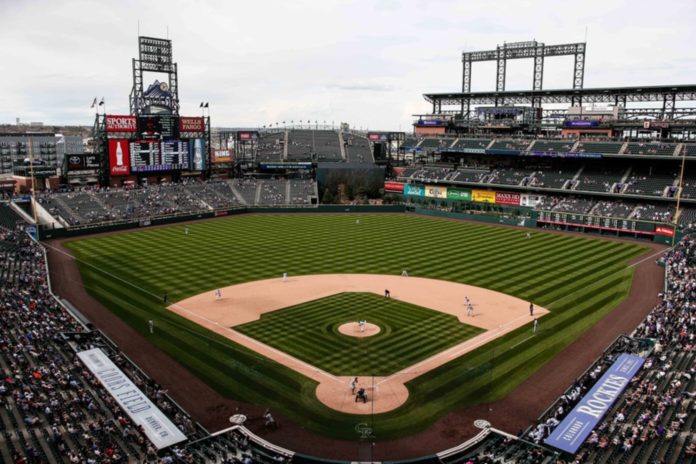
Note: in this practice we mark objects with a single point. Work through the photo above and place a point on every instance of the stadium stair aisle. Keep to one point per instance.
(238, 195)
(341, 143)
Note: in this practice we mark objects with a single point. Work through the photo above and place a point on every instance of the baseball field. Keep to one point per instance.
(578, 279)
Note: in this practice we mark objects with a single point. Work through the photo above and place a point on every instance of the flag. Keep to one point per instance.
(206, 105)
(94, 103)
(101, 102)
(201, 105)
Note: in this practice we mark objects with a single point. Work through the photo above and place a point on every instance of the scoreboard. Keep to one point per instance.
(156, 142)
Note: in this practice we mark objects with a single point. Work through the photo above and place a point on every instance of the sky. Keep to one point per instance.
(366, 63)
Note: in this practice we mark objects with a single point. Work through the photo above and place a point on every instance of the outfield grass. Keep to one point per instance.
(309, 331)
(579, 279)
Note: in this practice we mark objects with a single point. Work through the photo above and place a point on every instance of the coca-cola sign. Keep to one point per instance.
(119, 157)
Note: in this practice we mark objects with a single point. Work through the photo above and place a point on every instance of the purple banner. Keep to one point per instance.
(572, 432)
(580, 123)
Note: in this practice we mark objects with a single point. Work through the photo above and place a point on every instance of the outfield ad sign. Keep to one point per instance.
(414, 190)
(458, 194)
(572, 432)
(158, 428)
(507, 198)
(435, 191)
(483, 196)
(394, 187)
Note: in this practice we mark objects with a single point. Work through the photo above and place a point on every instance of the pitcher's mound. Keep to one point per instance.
(352, 329)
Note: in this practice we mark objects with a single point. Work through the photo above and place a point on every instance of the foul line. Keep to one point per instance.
(661, 252)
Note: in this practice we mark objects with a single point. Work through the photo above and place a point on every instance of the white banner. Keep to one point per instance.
(158, 428)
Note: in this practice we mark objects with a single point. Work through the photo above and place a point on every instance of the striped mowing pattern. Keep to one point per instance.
(579, 279)
(409, 333)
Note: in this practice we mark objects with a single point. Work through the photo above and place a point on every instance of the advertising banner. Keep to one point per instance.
(483, 196)
(377, 136)
(572, 432)
(662, 230)
(414, 190)
(435, 191)
(197, 154)
(223, 156)
(119, 157)
(507, 198)
(243, 136)
(530, 199)
(458, 194)
(300, 165)
(394, 187)
(156, 426)
(580, 123)
(191, 124)
(121, 123)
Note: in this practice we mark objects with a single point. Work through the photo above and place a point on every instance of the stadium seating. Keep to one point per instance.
(611, 148)
(548, 178)
(246, 189)
(688, 188)
(560, 146)
(574, 205)
(503, 144)
(647, 182)
(301, 191)
(107, 205)
(432, 172)
(650, 212)
(472, 144)
(270, 146)
(216, 195)
(614, 208)
(689, 149)
(300, 145)
(409, 143)
(273, 192)
(471, 175)
(52, 410)
(305, 145)
(598, 181)
(509, 176)
(357, 149)
(435, 144)
(654, 419)
(650, 148)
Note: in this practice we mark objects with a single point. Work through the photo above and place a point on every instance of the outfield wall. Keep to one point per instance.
(48, 233)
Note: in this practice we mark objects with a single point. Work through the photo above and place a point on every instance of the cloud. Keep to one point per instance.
(362, 87)
(363, 62)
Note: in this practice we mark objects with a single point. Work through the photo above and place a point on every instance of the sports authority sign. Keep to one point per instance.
(121, 123)
(572, 432)
(157, 427)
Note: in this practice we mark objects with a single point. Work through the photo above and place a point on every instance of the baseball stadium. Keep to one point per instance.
(510, 281)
